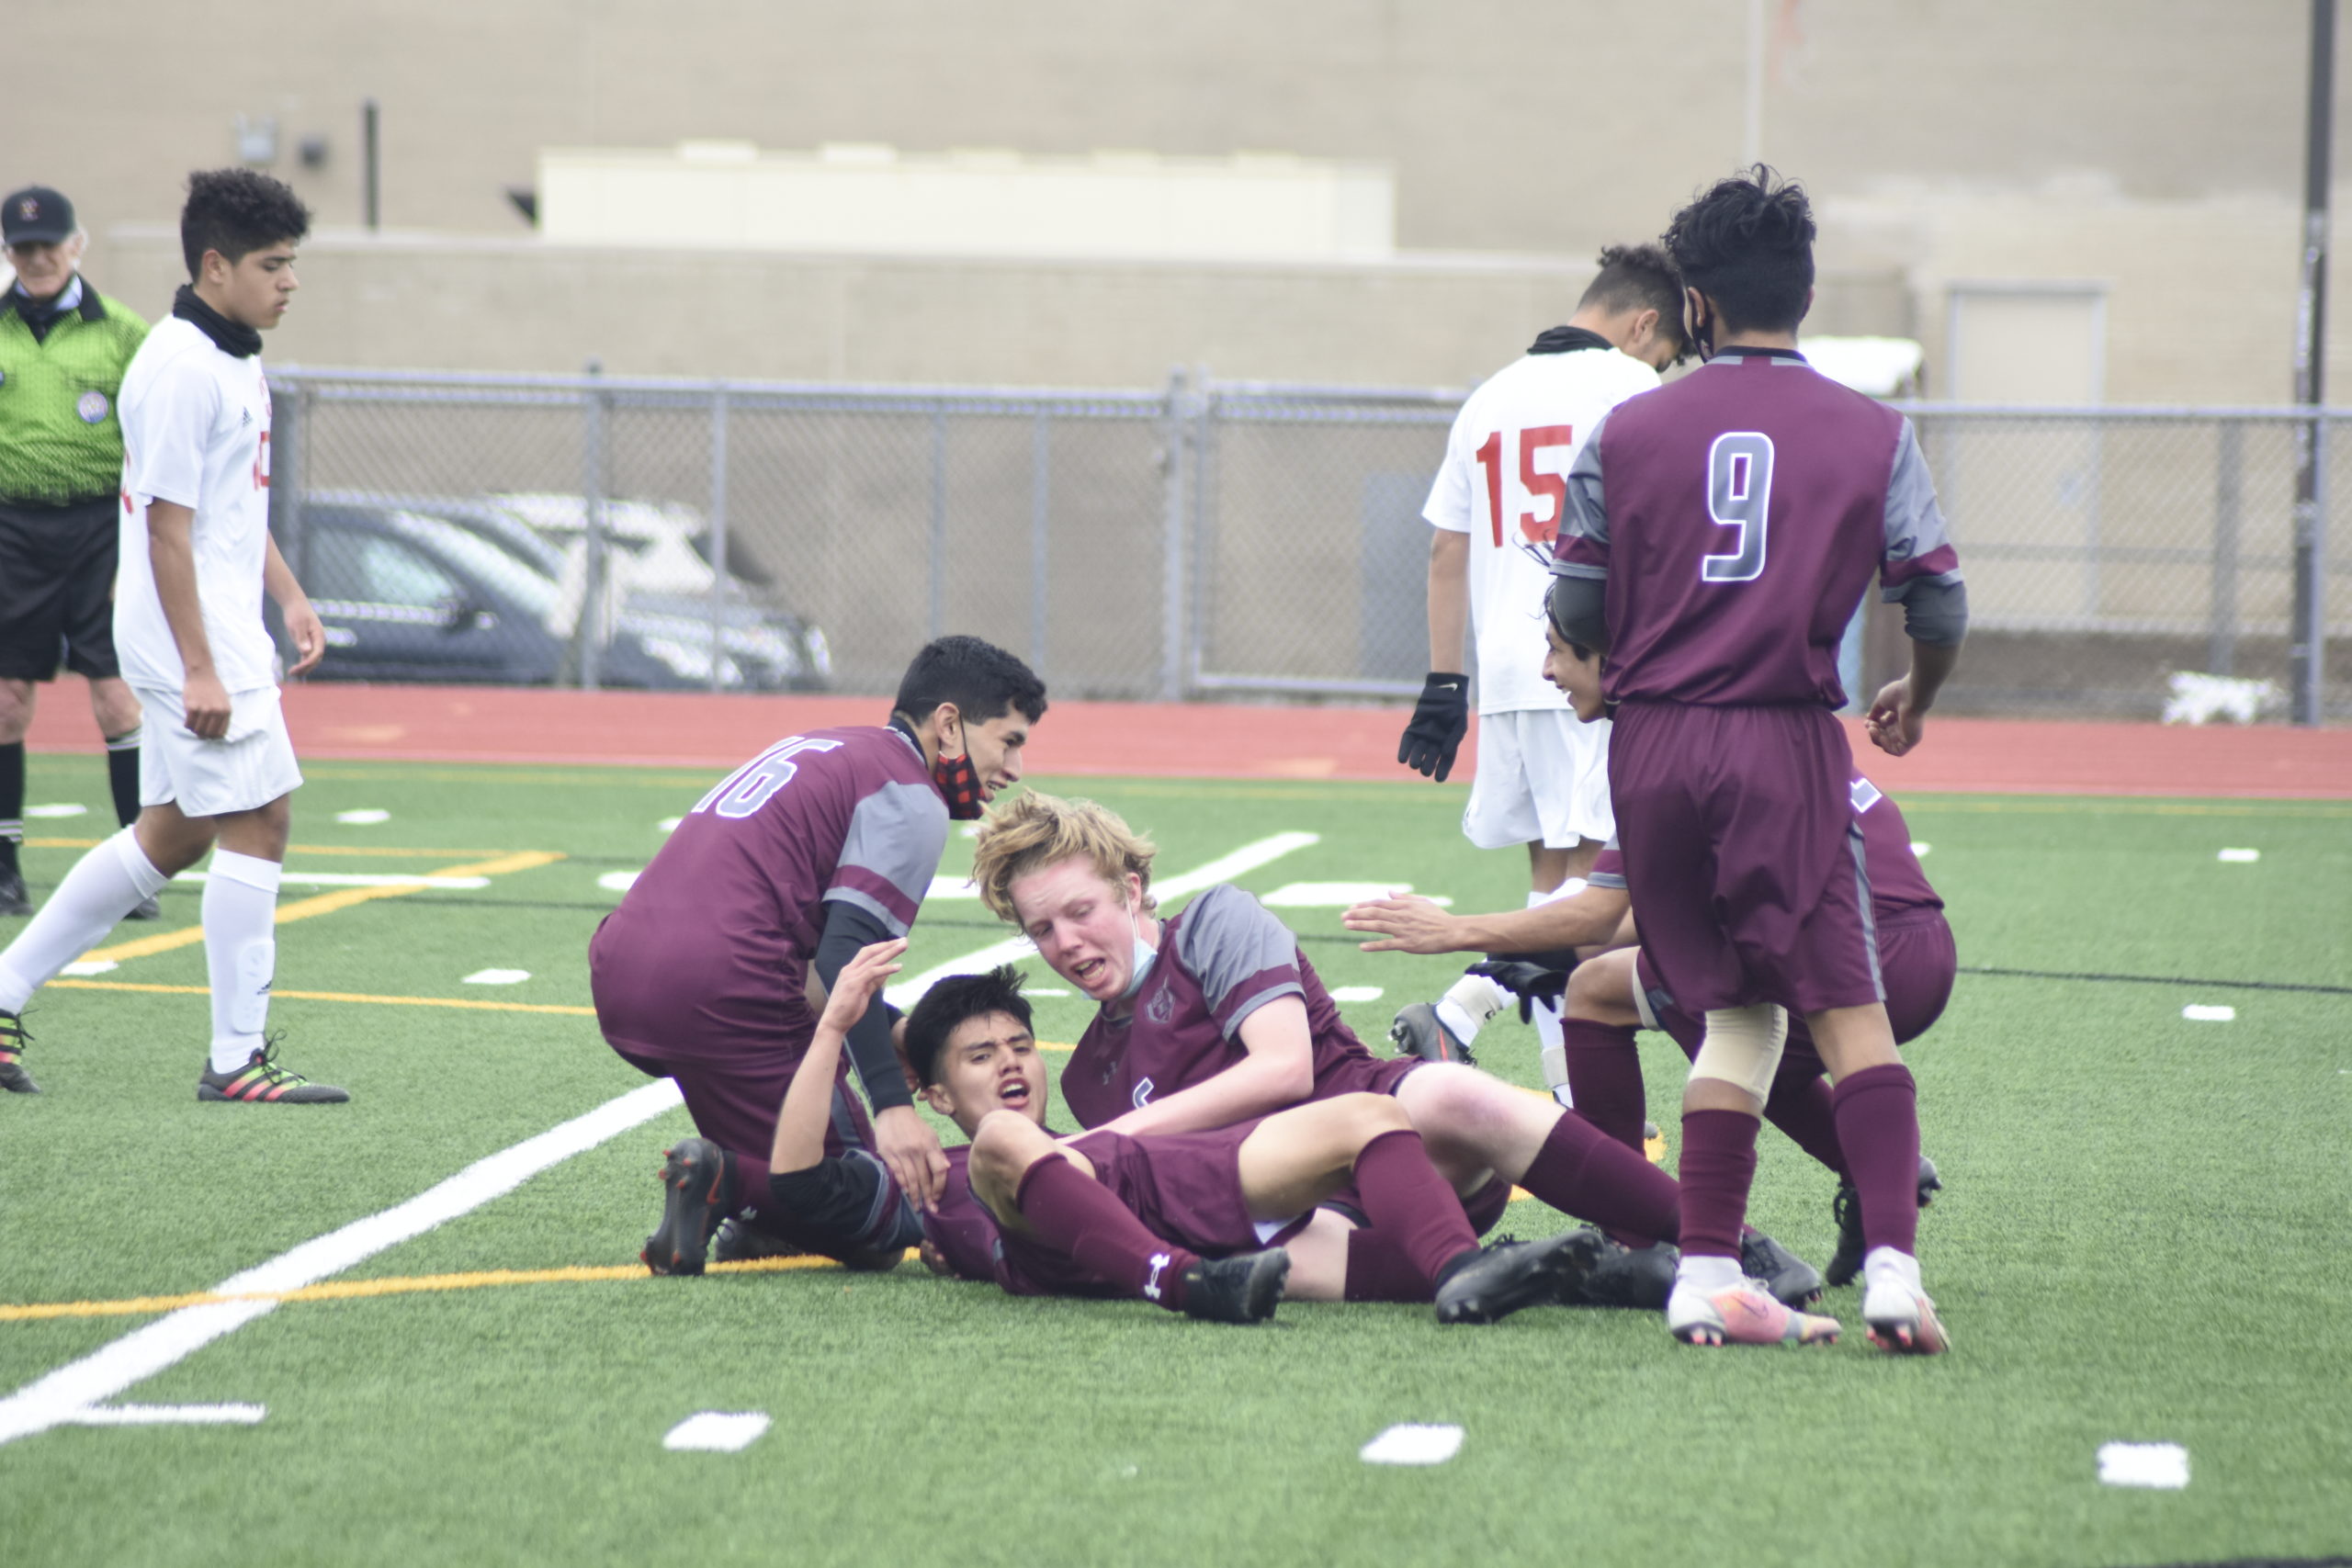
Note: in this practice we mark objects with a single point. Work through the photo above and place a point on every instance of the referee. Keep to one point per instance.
(63, 347)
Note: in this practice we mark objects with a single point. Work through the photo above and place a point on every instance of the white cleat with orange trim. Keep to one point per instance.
(1902, 1320)
(1744, 1314)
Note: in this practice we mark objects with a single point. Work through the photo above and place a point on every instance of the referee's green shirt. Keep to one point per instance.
(61, 438)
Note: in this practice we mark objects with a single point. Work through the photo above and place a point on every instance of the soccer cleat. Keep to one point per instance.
(1846, 1263)
(694, 1175)
(145, 910)
(1792, 1280)
(1903, 1321)
(1624, 1276)
(1245, 1288)
(13, 1040)
(1744, 1314)
(1509, 1275)
(1417, 1032)
(262, 1081)
(737, 1240)
(13, 900)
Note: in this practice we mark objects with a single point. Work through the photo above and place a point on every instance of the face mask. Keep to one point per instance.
(1702, 339)
(1145, 955)
(960, 783)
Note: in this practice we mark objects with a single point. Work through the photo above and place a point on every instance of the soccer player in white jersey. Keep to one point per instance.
(216, 765)
(1542, 778)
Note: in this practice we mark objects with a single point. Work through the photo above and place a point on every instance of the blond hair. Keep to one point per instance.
(1036, 830)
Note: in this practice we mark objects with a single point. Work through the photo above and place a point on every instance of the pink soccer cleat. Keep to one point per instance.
(1903, 1321)
(1744, 1314)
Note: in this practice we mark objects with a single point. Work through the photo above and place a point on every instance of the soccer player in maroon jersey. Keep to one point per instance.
(1719, 535)
(1615, 992)
(1217, 1225)
(823, 844)
(1214, 1016)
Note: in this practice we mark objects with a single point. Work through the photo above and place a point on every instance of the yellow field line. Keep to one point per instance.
(324, 904)
(351, 1289)
(477, 1005)
(291, 848)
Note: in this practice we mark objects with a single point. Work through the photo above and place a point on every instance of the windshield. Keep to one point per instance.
(483, 561)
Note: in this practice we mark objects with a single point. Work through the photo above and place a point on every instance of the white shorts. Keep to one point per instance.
(250, 767)
(1542, 778)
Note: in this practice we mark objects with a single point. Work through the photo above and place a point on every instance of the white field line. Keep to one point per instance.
(356, 879)
(168, 1416)
(71, 1394)
(1013, 950)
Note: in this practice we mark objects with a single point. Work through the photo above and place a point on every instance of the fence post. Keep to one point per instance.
(719, 576)
(1203, 552)
(1174, 438)
(938, 620)
(290, 424)
(2221, 641)
(588, 632)
(1040, 457)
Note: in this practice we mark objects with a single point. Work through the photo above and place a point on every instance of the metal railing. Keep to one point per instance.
(1205, 538)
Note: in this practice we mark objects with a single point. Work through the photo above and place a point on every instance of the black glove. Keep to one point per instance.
(1440, 720)
(1531, 983)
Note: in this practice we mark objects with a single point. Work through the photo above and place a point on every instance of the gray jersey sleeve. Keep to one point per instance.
(896, 835)
(1583, 548)
(1919, 543)
(1240, 953)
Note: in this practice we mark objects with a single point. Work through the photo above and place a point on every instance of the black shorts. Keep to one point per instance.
(57, 567)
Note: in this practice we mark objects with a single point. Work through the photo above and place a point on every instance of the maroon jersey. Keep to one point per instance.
(708, 955)
(1898, 885)
(1222, 959)
(1737, 516)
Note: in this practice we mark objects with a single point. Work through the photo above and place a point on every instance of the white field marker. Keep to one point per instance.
(357, 879)
(948, 886)
(37, 811)
(2161, 1465)
(168, 1416)
(82, 966)
(78, 1389)
(1919, 849)
(2239, 857)
(1356, 993)
(1042, 991)
(1413, 1444)
(496, 977)
(366, 816)
(717, 1431)
(668, 824)
(1338, 895)
(617, 881)
(1013, 950)
(2196, 1013)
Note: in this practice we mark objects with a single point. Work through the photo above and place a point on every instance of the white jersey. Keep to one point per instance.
(196, 432)
(1503, 483)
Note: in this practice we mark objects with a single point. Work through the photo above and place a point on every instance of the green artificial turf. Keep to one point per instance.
(2142, 1239)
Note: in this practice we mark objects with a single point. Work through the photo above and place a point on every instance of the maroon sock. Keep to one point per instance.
(1380, 1269)
(1076, 1215)
(1605, 1078)
(1404, 1195)
(1718, 1164)
(1582, 1171)
(1803, 1107)
(1878, 1126)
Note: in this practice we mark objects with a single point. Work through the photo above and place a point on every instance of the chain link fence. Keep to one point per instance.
(1203, 540)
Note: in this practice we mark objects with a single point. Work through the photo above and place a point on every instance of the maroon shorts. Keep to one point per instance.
(1918, 958)
(1185, 1187)
(1742, 854)
(1365, 1075)
(734, 1101)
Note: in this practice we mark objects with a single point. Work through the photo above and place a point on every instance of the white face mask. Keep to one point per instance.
(1145, 955)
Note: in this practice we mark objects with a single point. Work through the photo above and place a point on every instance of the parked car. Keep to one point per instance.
(406, 596)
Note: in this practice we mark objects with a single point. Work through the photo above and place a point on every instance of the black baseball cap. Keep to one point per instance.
(37, 216)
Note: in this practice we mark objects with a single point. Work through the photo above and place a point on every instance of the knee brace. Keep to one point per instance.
(256, 963)
(1743, 1046)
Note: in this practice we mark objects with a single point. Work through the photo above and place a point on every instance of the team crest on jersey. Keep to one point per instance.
(1162, 1006)
(1143, 1093)
(91, 406)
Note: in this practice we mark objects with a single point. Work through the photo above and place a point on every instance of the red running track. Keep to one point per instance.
(468, 723)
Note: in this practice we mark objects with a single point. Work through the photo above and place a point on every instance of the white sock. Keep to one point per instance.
(1707, 1275)
(239, 955)
(1568, 889)
(104, 886)
(1884, 1264)
(1470, 1004)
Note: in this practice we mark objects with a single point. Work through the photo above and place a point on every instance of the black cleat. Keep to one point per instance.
(1417, 1032)
(1244, 1289)
(737, 1240)
(261, 1082)
(145, 910)
(1509, 1275)
(13, 900)
(13, 1040)
(1791, 1280)
(694, 1179)
(1639, 1277)
(1846, 1263)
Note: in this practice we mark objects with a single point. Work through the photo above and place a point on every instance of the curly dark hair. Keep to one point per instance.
(1747, 245)
(1638, 277)
(237, 213)
(982, 680)
(953, 1001)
